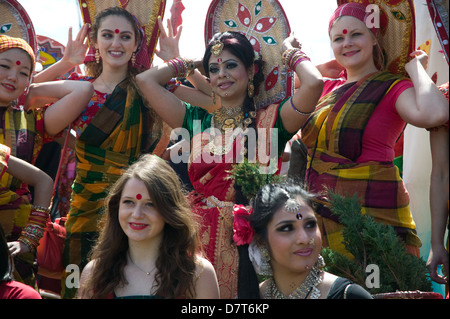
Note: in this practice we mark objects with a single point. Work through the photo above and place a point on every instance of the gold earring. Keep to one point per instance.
(213, 96)
(97, 56)
(250, 88)
(133, 58)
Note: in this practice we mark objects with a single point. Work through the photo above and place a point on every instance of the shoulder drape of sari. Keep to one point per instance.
(333, 135)
(118, 134)
(23, 135)
(214, 195)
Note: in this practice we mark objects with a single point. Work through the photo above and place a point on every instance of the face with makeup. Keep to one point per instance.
(15, 71)
(294, 239)
(228, 77)
(116, 41)
(352, 43)
(138, 217)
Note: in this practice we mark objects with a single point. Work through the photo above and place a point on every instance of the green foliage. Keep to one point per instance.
(248, 177)
(371, 242)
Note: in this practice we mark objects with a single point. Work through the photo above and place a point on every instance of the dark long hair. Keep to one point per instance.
(176, 263)
(269, 200)
(240, 46)
(5, 259)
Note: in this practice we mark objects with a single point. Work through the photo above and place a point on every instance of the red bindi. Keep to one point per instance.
(138, 196)
(344, 31)
(116, 31)
(18, 62)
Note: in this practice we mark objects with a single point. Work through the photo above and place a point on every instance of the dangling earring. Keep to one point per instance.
(250, 88)
(320, 263)
(213, 96)
(133, 58)
(97, 56)
(260, 257)
(266, 269)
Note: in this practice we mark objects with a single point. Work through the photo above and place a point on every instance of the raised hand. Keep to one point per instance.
(168, 43)
(75, 51)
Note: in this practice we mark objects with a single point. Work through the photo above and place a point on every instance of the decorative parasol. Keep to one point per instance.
(439, 16)
(398, 31)
(146, 12)
(265, 24)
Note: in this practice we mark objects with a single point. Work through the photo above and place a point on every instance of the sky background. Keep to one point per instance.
(308, 20)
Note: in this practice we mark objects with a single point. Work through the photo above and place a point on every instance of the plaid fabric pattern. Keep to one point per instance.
(118, 134)
(22, 135)
(333, 136)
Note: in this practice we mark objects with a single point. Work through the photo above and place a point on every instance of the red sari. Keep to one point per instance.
(214, 194)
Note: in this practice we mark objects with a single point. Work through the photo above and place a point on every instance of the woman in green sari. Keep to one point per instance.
(114, 129)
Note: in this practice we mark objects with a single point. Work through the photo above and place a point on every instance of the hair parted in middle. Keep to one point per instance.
(176, 263)
(265, 204)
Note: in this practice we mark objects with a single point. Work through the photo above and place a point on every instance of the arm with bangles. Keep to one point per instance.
(198, 95)
(305, 99)
(43, 188)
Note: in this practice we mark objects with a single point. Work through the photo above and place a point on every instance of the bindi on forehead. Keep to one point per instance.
(345, 31)
(138, 196)
(18, 62)
(117, 31)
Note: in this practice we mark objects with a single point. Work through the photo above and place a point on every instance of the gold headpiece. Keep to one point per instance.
(217, 48)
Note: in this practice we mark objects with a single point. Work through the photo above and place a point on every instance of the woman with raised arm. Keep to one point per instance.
(23, 133)
(235, 75)
(351, 135)
(115, 127)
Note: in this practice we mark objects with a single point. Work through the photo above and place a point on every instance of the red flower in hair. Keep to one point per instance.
(243, 232)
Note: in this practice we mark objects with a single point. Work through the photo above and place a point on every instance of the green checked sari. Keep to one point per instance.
(118, 134)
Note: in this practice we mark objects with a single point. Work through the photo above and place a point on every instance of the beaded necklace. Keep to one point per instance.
(308, 287)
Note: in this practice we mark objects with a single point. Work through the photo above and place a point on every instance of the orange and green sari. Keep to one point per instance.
(117, 135)
(333, 135)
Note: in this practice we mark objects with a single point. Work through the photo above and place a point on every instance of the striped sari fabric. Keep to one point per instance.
(333, 135)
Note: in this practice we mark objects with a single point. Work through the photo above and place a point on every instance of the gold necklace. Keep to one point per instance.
(228, 117)
(106, 85)
(148, 273)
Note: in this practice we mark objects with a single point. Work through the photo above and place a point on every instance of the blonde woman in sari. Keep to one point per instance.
(351, 135)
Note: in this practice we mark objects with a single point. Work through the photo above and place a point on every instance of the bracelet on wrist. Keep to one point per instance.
(298, 111)
(182, 68)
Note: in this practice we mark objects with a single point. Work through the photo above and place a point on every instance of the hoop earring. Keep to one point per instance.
(97, 56)
(133, 58)
(250, 88)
